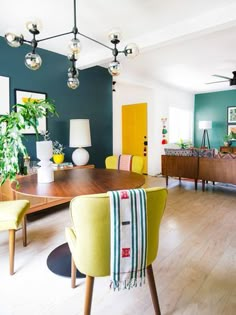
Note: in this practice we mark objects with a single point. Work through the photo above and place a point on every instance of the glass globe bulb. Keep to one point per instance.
(114, 68)
(114, 36)
(34, 25)
(73, 73)
(72, 56)
(14, 40)
(75, 46)
(131, 50)
(33, 61)
(73, 83)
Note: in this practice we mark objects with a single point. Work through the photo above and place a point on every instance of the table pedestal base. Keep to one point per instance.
(59, 262)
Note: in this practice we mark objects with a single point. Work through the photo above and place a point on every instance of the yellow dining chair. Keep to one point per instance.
(12, 214)
(89, 238)
(111, 162)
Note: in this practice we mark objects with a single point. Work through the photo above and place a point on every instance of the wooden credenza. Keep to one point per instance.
(228, 150)
(180, 166)
(36, 203)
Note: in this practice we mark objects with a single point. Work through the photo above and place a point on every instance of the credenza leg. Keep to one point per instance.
(166, 181)
(203, 185)
(195, 184)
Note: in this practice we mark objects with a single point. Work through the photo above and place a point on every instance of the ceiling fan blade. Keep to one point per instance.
(220, 76)
(216, 82)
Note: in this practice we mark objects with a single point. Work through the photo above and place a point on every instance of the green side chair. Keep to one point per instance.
(12, 214)
(89, 239)
(111, 162)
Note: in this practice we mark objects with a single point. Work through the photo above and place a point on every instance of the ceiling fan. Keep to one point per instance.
(232, 81)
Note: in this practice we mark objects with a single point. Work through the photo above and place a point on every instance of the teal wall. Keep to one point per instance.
(213, 106)
(92, 100)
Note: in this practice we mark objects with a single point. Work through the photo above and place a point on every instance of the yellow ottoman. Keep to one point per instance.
(12, 213)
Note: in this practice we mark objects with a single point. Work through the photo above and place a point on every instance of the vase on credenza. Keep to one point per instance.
(58, 158)
(44, 154)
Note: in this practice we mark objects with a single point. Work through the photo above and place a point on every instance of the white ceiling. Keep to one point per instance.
(182, 42)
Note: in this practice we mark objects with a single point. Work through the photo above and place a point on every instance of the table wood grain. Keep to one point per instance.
(75, 182)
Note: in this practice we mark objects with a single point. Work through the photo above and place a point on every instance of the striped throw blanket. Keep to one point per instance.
(128, 238)
(124, 162)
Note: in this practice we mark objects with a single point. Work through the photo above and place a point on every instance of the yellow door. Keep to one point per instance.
(134, 131)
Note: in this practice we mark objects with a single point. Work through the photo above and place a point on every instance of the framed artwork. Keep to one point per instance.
(232, 128)
(231, 114)
(21, 97)
(4, 95)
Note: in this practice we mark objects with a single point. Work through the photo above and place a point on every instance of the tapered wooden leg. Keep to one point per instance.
(88, 295)
(195, 184)
(73, 273)
(167, 182)
(24, 231)
(11, 250)
(153, 290)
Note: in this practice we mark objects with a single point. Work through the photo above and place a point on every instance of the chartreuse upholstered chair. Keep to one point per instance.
(89, 239)
(111, 162)
(12, 214)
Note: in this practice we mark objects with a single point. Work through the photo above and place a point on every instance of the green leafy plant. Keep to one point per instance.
(184, 144)
(57, 147)
(11, 144)
(228, 138)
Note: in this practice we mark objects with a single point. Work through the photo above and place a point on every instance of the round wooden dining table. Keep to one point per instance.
(70, 183)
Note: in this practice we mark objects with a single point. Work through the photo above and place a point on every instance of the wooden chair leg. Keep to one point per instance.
(73, 273)
(11, 250)
(153, 290)
(24, 231)
(88, 295)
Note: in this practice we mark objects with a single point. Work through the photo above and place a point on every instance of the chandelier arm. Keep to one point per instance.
(26, 41)
(94, 40)
(63, 34)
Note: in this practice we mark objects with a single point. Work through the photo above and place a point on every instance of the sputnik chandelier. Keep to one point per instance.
(33, 61)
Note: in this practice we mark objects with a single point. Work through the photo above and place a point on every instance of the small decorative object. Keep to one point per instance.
(164, 131)
(44, 153)
(58, 154)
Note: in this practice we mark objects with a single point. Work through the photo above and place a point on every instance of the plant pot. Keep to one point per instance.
(58, 158)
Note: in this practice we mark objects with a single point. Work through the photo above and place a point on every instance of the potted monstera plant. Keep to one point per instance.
(11, 144)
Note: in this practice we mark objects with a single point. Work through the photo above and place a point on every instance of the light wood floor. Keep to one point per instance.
(195, 271)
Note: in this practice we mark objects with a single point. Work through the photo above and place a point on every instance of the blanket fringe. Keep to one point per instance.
(126, 284)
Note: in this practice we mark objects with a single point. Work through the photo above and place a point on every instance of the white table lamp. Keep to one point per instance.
(205, 125)
(80, 138)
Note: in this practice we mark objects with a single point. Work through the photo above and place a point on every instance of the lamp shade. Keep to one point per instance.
(80, 133)
(205, 124)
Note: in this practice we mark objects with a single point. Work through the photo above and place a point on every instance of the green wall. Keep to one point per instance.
(213, 106)
(92, 100)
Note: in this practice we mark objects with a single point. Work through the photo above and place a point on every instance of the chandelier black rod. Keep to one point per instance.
(75, 24)
(54, 36)
(94, 40)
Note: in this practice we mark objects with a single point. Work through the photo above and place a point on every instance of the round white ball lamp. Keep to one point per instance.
(80, 138)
